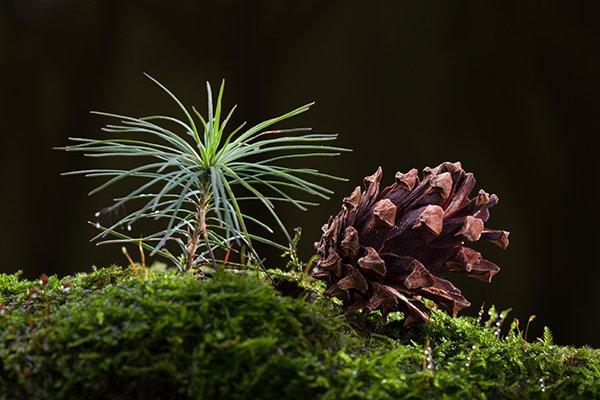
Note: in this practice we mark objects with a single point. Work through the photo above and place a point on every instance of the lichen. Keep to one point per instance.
(233, 336)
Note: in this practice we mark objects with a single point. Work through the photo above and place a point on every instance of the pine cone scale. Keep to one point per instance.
(372, 261)
(499, 238)
(353, 280)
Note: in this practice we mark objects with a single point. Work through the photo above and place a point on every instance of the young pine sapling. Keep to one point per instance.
(199, 183)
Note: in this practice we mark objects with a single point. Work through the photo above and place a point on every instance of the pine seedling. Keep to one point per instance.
(200, 180)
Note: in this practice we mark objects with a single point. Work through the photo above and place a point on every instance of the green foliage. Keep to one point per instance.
(198, 182)
(294, 262)
(234, 337)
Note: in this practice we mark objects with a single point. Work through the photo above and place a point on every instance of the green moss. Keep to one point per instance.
(234, 336)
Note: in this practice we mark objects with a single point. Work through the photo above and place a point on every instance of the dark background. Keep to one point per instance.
(508, 88)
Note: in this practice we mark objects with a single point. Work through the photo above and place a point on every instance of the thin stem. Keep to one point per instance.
(194, 242)
(202, 225)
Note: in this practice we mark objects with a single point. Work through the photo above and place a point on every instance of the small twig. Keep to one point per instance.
(124, 250)
(227, 255)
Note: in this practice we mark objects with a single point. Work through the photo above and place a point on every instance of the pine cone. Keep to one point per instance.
(384, 250)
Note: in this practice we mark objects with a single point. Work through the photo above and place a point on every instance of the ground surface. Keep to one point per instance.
(233, 336)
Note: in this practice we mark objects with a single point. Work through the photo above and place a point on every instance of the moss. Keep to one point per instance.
(234, 336)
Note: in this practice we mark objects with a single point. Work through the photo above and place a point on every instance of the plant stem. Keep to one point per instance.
(202, 221)
(199, 229)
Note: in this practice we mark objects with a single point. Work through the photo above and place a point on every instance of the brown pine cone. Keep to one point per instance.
(384, 250)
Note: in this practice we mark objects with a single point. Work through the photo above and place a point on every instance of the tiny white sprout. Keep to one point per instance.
(97, 214)
(473, 347)
(97, 225)
(467, 365)
(129, 227)
(123, 250)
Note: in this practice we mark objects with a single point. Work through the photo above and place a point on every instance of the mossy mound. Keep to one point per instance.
(233, 336)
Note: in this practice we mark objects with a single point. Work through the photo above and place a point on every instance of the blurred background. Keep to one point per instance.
(508, 88)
